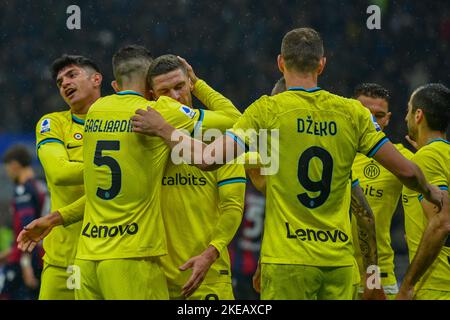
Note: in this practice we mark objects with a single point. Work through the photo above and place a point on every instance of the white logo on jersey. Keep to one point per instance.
(188, 111)
(45, 125)
(375, 123)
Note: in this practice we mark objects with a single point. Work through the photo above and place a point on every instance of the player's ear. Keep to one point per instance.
(280, 62)
(115, 86)
(419, 116)
(191, 85)
(322, 63)
(97, 78)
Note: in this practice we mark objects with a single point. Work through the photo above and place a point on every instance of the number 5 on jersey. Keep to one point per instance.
(116, 173)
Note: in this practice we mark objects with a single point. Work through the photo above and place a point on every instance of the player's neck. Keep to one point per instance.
(305, 80)
(138, 87)
(83, 107)
(426, 135)
(25, 175)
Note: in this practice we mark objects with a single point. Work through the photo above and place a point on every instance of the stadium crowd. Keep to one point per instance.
(234, 44)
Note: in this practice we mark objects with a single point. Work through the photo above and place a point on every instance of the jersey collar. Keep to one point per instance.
(125, 92)
(303, 89)
(438, 139)
(77, 120)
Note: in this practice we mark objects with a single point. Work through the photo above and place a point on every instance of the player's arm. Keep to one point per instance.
(437, 229)
(38, 229)
(225, 148)
(53, 155)
(407, 172)
(212, 99)
(374, 143)
(58, 168)
(194, 152)
(231, 183)
(436, 235)
(365, 220)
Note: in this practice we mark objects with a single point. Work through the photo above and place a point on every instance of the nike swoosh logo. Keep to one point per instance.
(73, 147)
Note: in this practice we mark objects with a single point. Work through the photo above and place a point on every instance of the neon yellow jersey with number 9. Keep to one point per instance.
(307, 220)
(123, 173)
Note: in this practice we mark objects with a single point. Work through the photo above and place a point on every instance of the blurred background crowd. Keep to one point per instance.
(231, 44)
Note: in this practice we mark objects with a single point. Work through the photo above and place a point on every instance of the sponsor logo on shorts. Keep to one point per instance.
(109, 231)
(316, 235)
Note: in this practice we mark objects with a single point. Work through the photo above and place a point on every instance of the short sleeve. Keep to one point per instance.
(177, 114)
(431, 167)
(257, 116)
(48, 130)
(370, 137)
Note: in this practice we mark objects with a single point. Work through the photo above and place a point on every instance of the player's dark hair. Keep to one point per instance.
(279, 87)
(302, 49)
(434, 100)
(164, 64)
(18, 153)
(131, 62)
(372, 90)
(67, 60)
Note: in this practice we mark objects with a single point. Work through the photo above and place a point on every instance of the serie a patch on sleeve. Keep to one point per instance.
(45, 125)
(375, 123)
(188, 111)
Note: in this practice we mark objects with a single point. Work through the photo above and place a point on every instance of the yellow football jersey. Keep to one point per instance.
(307, 222)
(382, 190)
(434, 160)
(59, 141)
(123, 173)
(203, 208)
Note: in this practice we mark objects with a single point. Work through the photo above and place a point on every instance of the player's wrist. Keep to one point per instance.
(54, 219)
(165, 131)
(211, 253)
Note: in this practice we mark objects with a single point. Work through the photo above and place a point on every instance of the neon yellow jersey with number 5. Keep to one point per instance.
(307, 220)
(123, 173)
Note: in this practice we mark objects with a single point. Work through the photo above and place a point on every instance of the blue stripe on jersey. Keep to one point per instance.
(77, 120)
(355, 183)
(420, 197)
(199, 122)
(231, 180)
(438, 139)
(125, 92)
(238, 140)
(49, 140)
(377, 147)
(303, 89)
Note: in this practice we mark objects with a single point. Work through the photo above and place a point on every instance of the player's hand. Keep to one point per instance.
(257, 279)
(200, 265)
(190, 71)
(37, 230)
(148, 122)
(374, 294)
(412, 142)
(405, 293)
